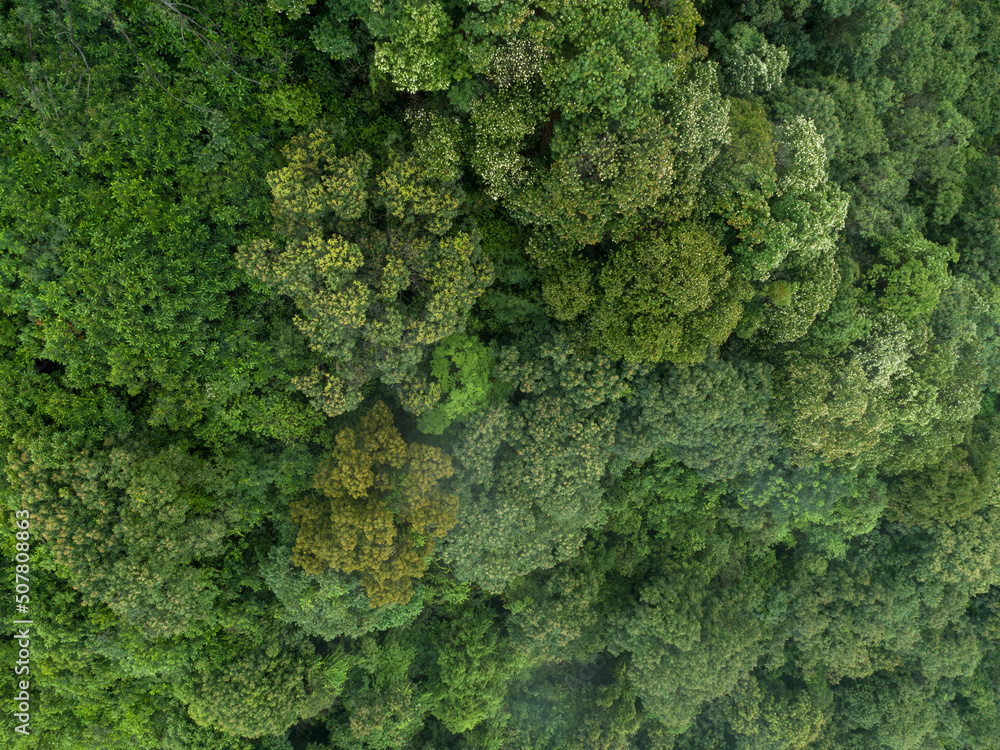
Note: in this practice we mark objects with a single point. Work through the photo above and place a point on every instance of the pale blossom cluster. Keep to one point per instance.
(500, 124)
(887, 351)
(750, 63)
(801, 157)
(412, 56)
(702, 117)
(515, 62)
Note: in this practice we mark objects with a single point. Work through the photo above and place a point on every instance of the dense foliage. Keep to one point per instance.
(550, 374)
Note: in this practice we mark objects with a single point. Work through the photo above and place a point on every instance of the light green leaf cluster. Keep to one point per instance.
(461, 367)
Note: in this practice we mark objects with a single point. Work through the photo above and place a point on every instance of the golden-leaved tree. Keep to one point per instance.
(380, 509)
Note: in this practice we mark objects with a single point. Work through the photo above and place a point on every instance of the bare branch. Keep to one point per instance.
(72, 39)
(210, 45)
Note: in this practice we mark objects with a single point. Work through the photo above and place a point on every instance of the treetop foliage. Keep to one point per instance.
(557, 374)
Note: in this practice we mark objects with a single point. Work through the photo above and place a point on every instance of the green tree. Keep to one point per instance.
(714, 417)
(461, 367)
(750, 63)
(892, 599)
(668, 296)
(955, 487)
(691, 633)
(144, 531)
(382, 708)
(817, 507)
(260, 686)
(529, 477)
(909, 275)
(330, 604)
(765, 715)
(471, 669)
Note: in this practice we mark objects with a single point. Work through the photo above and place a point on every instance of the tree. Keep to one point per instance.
(554, 708)
(226, 227)
(529, 476)
(669, 297)
(461, 367)
(829, 409)
(167, 165)
(700, 115)
(714, 417)
(956, 486)
(891, 710)
(380, 510)
(369, 302)
(765, 715)
(556, 616)
(750, 63)
(145, 529)
(890, 601)
(416, 46)
(771, 187)
(573, 72)
(330, 604)
(814, 507)
(909, 275)
(472, 666)
(260, 686)
(740, 183)
(570, 134)
(691, 633)
(383, 708)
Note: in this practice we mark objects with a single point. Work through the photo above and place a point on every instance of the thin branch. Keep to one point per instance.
(205, 40)
(156, 78)
(72, 39)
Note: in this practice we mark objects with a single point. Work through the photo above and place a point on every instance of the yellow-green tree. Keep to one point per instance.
(379, 511)
(668, 297)
(374, 264)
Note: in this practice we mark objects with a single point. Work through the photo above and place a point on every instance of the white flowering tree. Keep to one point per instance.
(750, 64)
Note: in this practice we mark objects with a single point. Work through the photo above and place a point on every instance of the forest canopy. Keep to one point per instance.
(501, 374)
